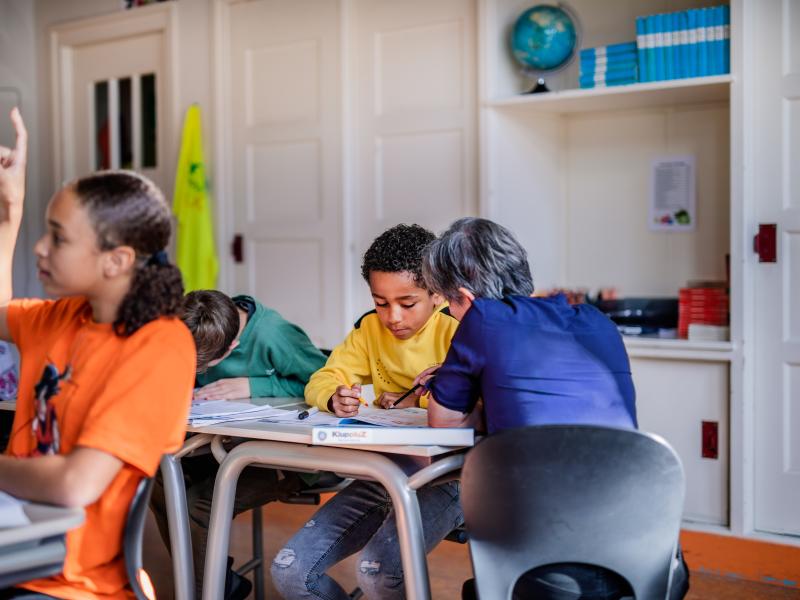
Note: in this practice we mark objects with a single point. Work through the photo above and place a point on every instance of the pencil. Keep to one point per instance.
(406, 395)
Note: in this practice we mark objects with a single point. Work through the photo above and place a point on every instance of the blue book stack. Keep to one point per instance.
(689, 43)
(615, 64)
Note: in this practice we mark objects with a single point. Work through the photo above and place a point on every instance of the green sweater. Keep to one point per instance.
(275, 355)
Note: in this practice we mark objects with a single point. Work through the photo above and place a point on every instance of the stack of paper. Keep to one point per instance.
(708, 333)
(396, 417)
(12, 513)
(205, 413)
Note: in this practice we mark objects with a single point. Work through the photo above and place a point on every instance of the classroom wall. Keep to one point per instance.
(25, 66)
(18, 85)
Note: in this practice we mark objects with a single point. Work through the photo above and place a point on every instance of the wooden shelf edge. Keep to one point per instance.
(680, 349)
(694, 90)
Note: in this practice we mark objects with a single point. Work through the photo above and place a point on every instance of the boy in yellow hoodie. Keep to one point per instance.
(409, 331)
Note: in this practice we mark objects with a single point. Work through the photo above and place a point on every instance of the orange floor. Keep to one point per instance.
(449, 563)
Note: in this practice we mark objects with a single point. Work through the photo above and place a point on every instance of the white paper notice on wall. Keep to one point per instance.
(672, 194)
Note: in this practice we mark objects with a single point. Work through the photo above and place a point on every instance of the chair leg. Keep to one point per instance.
(258, 553)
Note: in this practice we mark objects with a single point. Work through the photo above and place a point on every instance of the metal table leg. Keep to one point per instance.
(178, 521)
(178, 517)
(345, 462)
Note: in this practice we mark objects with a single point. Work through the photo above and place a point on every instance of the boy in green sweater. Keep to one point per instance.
(263, 356)
(244, 350)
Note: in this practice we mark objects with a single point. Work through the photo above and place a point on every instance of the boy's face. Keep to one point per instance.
(216, 361)
(402, 306)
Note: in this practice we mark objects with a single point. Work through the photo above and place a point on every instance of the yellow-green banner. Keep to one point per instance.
(196, 253)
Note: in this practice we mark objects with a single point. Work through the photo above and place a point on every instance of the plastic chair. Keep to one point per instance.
(544, 495)
(132, 541)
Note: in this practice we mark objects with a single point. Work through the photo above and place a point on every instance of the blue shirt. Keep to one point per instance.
(537, 361)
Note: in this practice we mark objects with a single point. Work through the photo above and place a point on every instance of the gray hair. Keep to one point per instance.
(479, 255)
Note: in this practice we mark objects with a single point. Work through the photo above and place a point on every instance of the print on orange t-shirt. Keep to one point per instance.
(128, 397)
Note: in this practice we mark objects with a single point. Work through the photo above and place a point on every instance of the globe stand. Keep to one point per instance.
(540, 87)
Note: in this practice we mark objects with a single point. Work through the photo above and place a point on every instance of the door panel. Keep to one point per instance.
(776, 132)
(415, 118)
(286, 169)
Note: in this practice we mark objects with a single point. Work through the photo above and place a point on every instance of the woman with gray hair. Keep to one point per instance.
(532, 361)
(480, 256)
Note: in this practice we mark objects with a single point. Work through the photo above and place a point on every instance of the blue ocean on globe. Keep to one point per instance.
(544, 38)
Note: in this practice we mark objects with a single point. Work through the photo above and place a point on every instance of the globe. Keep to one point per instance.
(545, 38)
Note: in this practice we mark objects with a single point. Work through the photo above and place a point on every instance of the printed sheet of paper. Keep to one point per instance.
(203, 414)
(317, 419)
(396, 417)
(672, 194)
(12, 513)
(213, 408)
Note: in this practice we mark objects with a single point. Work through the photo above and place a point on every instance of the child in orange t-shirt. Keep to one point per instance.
(106, 370)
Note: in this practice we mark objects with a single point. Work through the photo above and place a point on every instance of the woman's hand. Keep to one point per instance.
(345, 401)
(387, 399)
(423, 378)
(12, 172)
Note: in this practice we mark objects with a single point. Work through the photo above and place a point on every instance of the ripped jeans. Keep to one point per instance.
(360, 517)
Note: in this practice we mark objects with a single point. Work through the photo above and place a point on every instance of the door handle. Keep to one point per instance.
(765, 243)
(237, 248)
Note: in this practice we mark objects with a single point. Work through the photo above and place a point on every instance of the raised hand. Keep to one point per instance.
(12, 172)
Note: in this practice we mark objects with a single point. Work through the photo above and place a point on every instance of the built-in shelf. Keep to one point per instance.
(644, 347)
(698, 90)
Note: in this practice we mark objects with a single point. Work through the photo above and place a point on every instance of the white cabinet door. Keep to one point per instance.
(673, 399)
(775, 133)
(284, 122)
(414, 113)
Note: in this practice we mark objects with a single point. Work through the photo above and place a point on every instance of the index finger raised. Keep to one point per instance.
(21, 148)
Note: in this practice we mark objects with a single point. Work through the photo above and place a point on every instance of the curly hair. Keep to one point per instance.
(127, 209)
(397, 250)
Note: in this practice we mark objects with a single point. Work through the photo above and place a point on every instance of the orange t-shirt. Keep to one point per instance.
(128, 397)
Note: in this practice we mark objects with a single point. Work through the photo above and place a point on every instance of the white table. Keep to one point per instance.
(38, 549)
(288, 447)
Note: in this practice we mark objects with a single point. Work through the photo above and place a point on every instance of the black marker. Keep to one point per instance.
(307, 413)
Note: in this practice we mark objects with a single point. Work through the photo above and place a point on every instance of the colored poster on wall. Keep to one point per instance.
(672, 194)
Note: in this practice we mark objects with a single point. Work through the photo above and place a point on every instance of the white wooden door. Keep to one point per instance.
(775, 132)
(414, 113)
(284, 63)
(115, 112)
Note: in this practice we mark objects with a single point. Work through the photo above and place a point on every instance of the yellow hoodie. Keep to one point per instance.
(371, 354)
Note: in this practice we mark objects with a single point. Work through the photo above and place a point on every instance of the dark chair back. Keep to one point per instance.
(537, 496)
(132, 542)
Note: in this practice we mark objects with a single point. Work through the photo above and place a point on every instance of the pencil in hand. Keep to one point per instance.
(406, 395)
